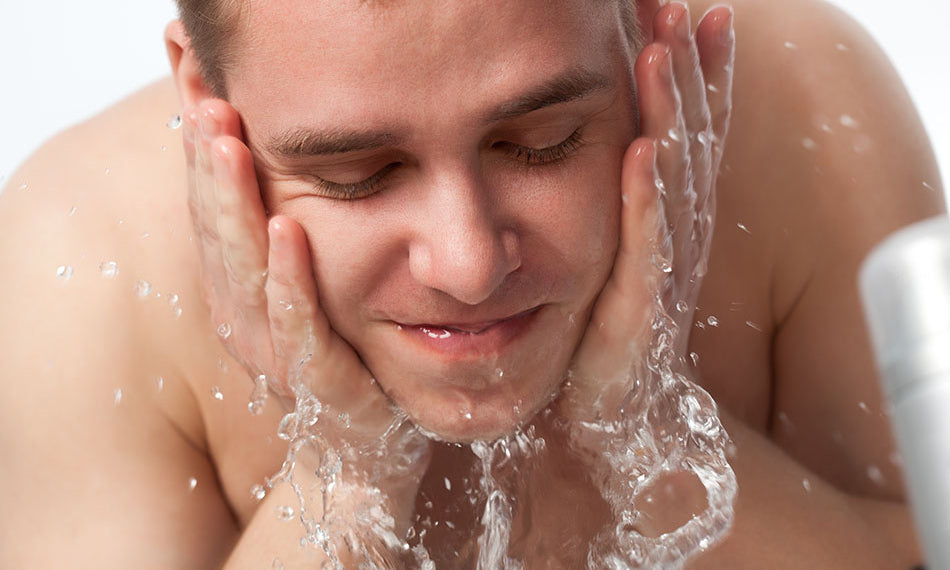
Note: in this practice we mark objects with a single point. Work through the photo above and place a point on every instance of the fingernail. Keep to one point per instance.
(682, 26)
(726, 31)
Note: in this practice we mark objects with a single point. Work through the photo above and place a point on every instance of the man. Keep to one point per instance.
(160, 450)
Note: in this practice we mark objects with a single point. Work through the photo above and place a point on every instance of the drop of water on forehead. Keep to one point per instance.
(174, 122)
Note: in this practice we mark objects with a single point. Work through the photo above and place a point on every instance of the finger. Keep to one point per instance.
(616, 333)
(292, 307)
(204, 213)
(303, 337)
(673, 28)
(715, 38)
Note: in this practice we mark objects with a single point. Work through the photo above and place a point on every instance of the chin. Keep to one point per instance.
(460, 416)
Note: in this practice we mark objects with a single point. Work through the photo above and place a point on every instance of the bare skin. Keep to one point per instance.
(810, 217)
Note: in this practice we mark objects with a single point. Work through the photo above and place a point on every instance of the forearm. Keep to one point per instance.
(786, 517)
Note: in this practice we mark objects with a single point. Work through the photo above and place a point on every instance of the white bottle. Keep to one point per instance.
(905, 285)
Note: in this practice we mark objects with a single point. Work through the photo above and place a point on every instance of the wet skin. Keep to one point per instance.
(794, 382)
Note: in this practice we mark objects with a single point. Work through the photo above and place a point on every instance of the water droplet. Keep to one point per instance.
(862, 144)
(258, 492)
(164, 148)
(806, 484)
(674, 135)
(712, 88)
(809, 144)
(287, 305)
(64, 272)
(700, 325)
(224, 330)
(875, 475)
(848, 121)
(703, 138)
(173, 299)
(108, 269)
(695, 358)
(345, 420)
(258, 396)
(176, 311)
(24, 186)
(842, 47)
(72, 211)
(465, 414)
(217, 394)
(660, 185)
(682, 306)
(143, 289)
(174, 122)
(448, 484)
(108, 171)
(704, 543)
(117, 396)
(192, 483)
(753, 326)
(713, 321)
(743, 227)
(160, 383)
(499, 373)
(285, 513)
(791, 46)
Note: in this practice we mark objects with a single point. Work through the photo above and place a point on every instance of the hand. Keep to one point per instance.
(667, 184)
(630, 411)
(257, 278)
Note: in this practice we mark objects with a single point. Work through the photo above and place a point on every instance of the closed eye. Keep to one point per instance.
(534, 156)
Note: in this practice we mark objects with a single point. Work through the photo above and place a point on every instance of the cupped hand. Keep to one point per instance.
(668, 189)
(257, 278)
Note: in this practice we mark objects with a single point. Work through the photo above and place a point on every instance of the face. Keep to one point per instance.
(456, 168)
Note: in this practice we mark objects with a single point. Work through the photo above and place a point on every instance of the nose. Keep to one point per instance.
(463, 246)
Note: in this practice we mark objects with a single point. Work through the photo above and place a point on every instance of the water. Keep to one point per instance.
(174, 122)
(143, 289)
(64, 272)
(258, 396)
(108, 269)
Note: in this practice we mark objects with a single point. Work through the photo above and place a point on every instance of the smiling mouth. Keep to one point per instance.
(470, 339)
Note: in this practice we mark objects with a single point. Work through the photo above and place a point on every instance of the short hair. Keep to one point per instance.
(211, 24)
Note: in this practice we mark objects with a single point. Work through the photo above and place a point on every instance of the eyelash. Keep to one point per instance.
(526, 155)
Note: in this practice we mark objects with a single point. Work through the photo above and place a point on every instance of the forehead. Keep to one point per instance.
(364, 60)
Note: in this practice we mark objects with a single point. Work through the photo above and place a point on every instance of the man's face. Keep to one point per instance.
(456, 168)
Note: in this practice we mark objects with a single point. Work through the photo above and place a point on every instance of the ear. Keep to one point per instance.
(646, 13)
(185, 69)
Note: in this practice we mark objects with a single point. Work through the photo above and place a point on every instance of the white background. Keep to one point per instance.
(63, 60)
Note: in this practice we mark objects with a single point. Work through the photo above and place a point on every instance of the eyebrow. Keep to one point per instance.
(569, 86)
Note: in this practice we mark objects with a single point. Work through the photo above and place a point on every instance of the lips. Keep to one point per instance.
(469, 339)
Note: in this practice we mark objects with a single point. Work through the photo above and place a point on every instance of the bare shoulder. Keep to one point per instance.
(826, 156)
(105, 339)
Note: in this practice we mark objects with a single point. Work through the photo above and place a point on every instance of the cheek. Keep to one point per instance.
(577, 218)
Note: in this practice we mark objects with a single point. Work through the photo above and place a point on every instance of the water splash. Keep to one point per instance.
(258, 396)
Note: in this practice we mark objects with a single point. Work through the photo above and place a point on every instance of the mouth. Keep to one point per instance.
(470, 339)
